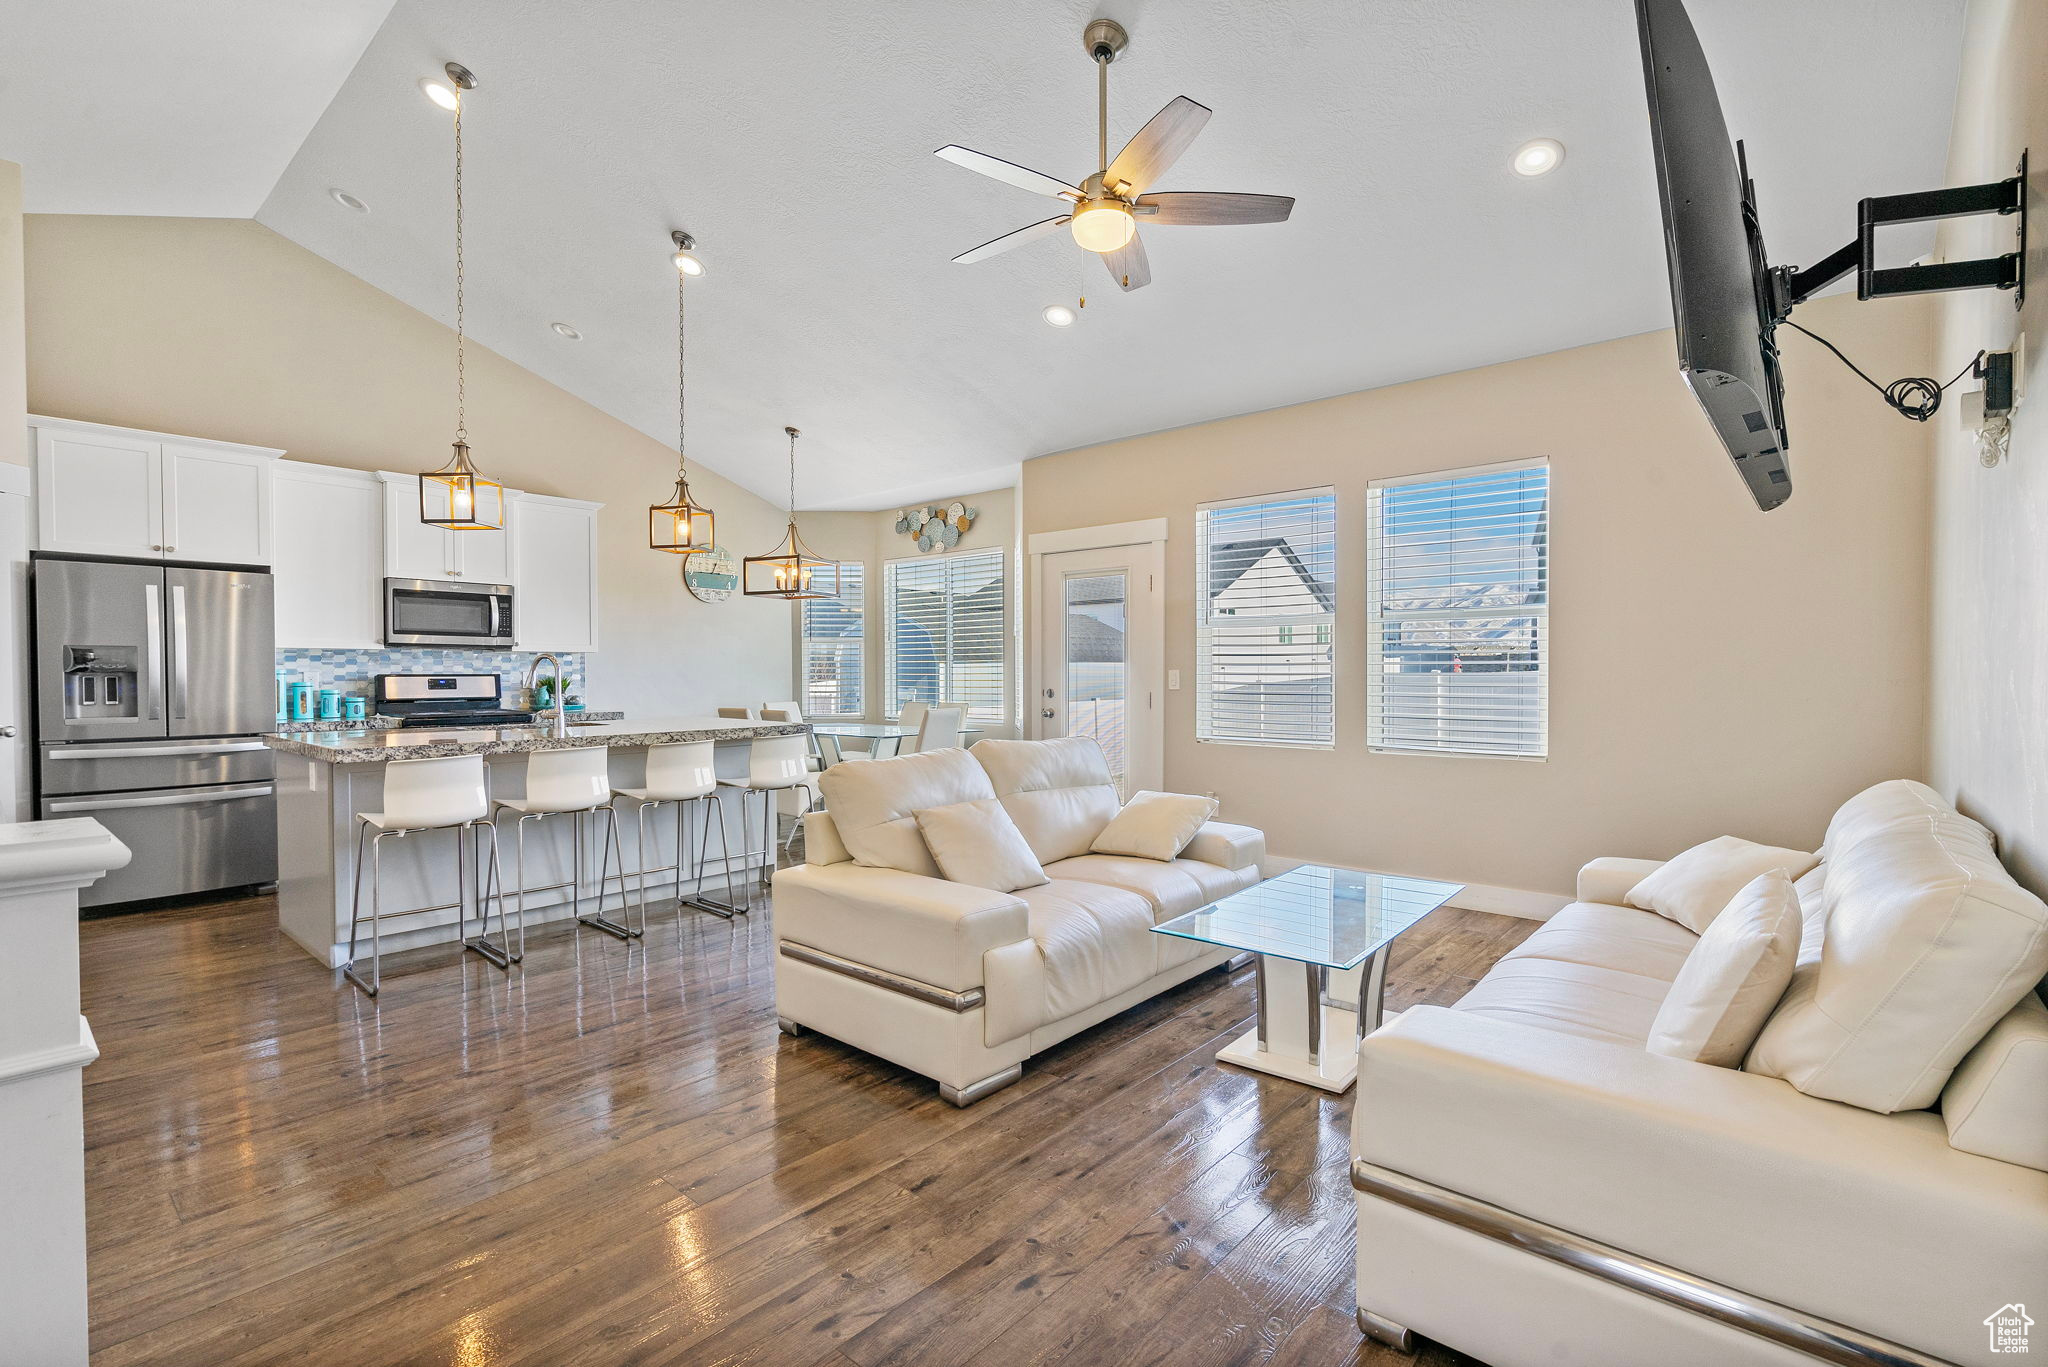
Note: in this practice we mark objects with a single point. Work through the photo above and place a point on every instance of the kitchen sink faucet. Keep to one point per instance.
(560, 729)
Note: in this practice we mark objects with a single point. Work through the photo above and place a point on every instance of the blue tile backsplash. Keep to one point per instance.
(350, 671)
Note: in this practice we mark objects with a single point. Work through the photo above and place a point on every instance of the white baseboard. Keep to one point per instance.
(1530, 906)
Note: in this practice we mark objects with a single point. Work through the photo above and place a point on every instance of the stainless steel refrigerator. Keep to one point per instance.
(152, 685)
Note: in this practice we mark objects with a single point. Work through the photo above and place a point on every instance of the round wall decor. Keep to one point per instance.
(936, 528)
(711, 575)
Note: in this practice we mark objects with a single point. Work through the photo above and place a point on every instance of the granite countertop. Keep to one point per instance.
(376, 746)
(300, 728)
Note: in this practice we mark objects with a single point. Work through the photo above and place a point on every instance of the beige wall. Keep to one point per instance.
(221, 328)
(13, 363)
(1988, 741)
(1715, 671)
(872, 539)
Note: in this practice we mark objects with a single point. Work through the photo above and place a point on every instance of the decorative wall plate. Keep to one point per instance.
(934, 527)
(711, 575)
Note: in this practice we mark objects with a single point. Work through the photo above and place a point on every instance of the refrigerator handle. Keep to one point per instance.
(179, 662)
(105, 804)
(153, 628)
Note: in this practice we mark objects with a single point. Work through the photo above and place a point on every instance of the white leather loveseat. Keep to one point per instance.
(1534, 1186)
(960, 983)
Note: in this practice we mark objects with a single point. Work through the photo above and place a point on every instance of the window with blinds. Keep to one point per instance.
(1458, 604)
(1265, 625)
(948, 633)
(834, 632)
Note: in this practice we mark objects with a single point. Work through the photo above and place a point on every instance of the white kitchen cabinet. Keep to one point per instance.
(417, 550)
(555, 574)
(329, 568)
(149, 495)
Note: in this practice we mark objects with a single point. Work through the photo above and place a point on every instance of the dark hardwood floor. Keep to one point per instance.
(612, 1156)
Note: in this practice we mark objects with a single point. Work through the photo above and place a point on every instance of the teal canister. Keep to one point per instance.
(330, 704)
(301, 700)
(355, 707)
(284, 705)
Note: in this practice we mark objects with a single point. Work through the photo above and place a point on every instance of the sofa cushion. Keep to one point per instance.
(1172, 887)
(873, 805)
(1691, 888)
(1057, 791)
(1574, 999)
(1928, 942)
(976, 842)
(1603, 936)
(1096, 941)
(1997, 1102)
(1154, 825)
(1732, 980)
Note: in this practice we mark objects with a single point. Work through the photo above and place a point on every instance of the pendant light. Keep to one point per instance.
(791, 570)
(681, 526)
(459, 496)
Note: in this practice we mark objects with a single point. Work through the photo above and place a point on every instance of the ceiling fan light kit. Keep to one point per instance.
(1107, 205)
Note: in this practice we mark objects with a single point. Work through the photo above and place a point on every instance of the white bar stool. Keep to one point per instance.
(431, 795)
(573, 782)
(775, 764)
(679, 774)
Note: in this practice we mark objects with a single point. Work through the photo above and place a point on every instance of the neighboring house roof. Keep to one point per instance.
(1230, 561)
(1092, 641)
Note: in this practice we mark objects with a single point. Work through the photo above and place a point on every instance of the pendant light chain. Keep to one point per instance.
(792, 475)
(682, 410)
(461, 394)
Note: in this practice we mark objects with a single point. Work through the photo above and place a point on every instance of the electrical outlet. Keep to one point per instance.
(1173, 681)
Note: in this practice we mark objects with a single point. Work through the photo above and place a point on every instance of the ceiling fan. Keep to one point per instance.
(1108, 205)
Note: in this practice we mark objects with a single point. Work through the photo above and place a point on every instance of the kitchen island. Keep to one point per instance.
(324, 778)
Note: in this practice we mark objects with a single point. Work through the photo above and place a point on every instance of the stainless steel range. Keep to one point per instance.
(446, 700)
(152, 684)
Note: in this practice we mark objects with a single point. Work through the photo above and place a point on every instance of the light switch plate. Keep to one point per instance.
(1173, 680)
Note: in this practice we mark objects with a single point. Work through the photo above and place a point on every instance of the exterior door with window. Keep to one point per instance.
(1101, 650)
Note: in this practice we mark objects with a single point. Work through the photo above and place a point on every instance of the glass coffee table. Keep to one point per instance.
(1321, 936)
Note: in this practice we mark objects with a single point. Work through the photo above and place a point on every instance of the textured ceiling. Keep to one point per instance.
(188, 108)
(794, 138)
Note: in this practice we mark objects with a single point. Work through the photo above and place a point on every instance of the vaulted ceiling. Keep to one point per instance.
(794, 139)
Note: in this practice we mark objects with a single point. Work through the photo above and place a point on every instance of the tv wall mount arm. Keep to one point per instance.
(1791, 286)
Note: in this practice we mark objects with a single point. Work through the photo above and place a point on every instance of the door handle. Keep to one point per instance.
(179, 659)
(166, 800)
(8, 733)
(56, 752)
(1045, 712)
(153, 621)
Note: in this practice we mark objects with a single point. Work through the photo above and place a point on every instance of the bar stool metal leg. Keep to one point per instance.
(725, 908)
(499, 954)
(611, 847)
(355, 916)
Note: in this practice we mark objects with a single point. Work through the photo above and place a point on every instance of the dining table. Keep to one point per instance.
(884, 739)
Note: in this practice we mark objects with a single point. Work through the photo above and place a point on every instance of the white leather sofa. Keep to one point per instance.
(962, 984)
(1533, 1186)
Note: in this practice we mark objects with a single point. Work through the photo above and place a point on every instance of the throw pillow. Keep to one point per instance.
(1732, 980)
(1692, 888)
(1154, 825)
(976, 843)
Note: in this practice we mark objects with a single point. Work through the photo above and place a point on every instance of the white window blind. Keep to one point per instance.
(833, 632)
(1265, 622)
(1458, 605)
(948, 633)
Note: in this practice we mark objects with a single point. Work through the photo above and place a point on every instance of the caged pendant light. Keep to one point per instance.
(791, 570)
(681, 526)
(459, 496)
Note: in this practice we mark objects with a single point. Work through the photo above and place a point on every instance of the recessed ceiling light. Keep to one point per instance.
(437, 91)
(1059, 315)
(564, 330)
(1538, 156)
(348, 201)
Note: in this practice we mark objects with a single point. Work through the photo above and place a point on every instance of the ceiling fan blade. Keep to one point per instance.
(1158, 145)
(1023, 177)
(997, 246)
(1128, 266)
(1202, 208)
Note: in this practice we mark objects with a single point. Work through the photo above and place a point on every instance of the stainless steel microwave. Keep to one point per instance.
(428, 612)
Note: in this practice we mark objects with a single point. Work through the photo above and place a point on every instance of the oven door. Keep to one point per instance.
(420, 612)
